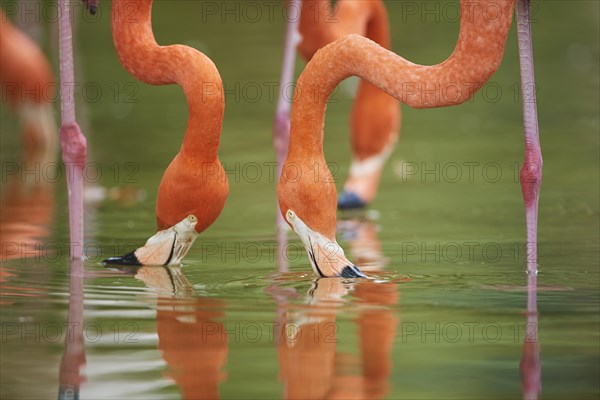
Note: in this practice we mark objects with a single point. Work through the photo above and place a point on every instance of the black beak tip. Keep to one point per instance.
(127, 259)
(350, 271)
(93, 8)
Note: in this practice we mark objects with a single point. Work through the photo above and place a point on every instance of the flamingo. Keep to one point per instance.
(375, 120)
(194, 187)
(28, 84)
(27, 206)
(309, 204)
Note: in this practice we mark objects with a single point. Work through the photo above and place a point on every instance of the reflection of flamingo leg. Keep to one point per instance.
(72, 141)
(73, 359)
(531, 172)
(530, 365)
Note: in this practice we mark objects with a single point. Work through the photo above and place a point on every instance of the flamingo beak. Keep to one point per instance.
(166, 247)
(326, 256)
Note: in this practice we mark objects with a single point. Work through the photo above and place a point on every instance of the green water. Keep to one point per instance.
(448, 319)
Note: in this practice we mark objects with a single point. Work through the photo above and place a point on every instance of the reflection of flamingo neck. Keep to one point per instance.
(194, 344)
(160, 65)
(476, 57)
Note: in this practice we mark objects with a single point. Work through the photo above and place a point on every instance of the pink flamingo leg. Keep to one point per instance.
(281, 124)
(531, 172)
(72, 141)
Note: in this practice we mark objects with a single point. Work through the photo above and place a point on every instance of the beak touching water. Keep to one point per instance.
(166, 247)
(326, 256)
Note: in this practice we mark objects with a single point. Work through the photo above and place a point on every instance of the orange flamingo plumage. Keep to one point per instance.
(27, 204)
(309, 204)
(28, 84)
(375, 120)
(194, 187)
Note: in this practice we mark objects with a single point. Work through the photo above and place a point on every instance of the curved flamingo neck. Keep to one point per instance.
(476, 57)
(161, 65)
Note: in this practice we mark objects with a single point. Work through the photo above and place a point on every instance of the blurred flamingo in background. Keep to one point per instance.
(194, 187)
(27, 204)
(308, 204)
(375, 120)
(28, 84)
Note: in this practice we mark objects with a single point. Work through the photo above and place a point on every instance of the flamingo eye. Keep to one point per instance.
(192, 218)
(290, 215)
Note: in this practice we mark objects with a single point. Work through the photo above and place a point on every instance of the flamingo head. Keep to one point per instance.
(326, 256)
(190, 198)
(307, 200)
(167, 247)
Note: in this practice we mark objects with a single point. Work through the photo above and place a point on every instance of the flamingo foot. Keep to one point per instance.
(91, 5)
(365, 174)
(166, 247)
(350, 200)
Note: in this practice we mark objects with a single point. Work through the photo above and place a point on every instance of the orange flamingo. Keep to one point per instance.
(375, 120)
(27, 205)
(28, 84)
(308, 200)
(194, 187)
